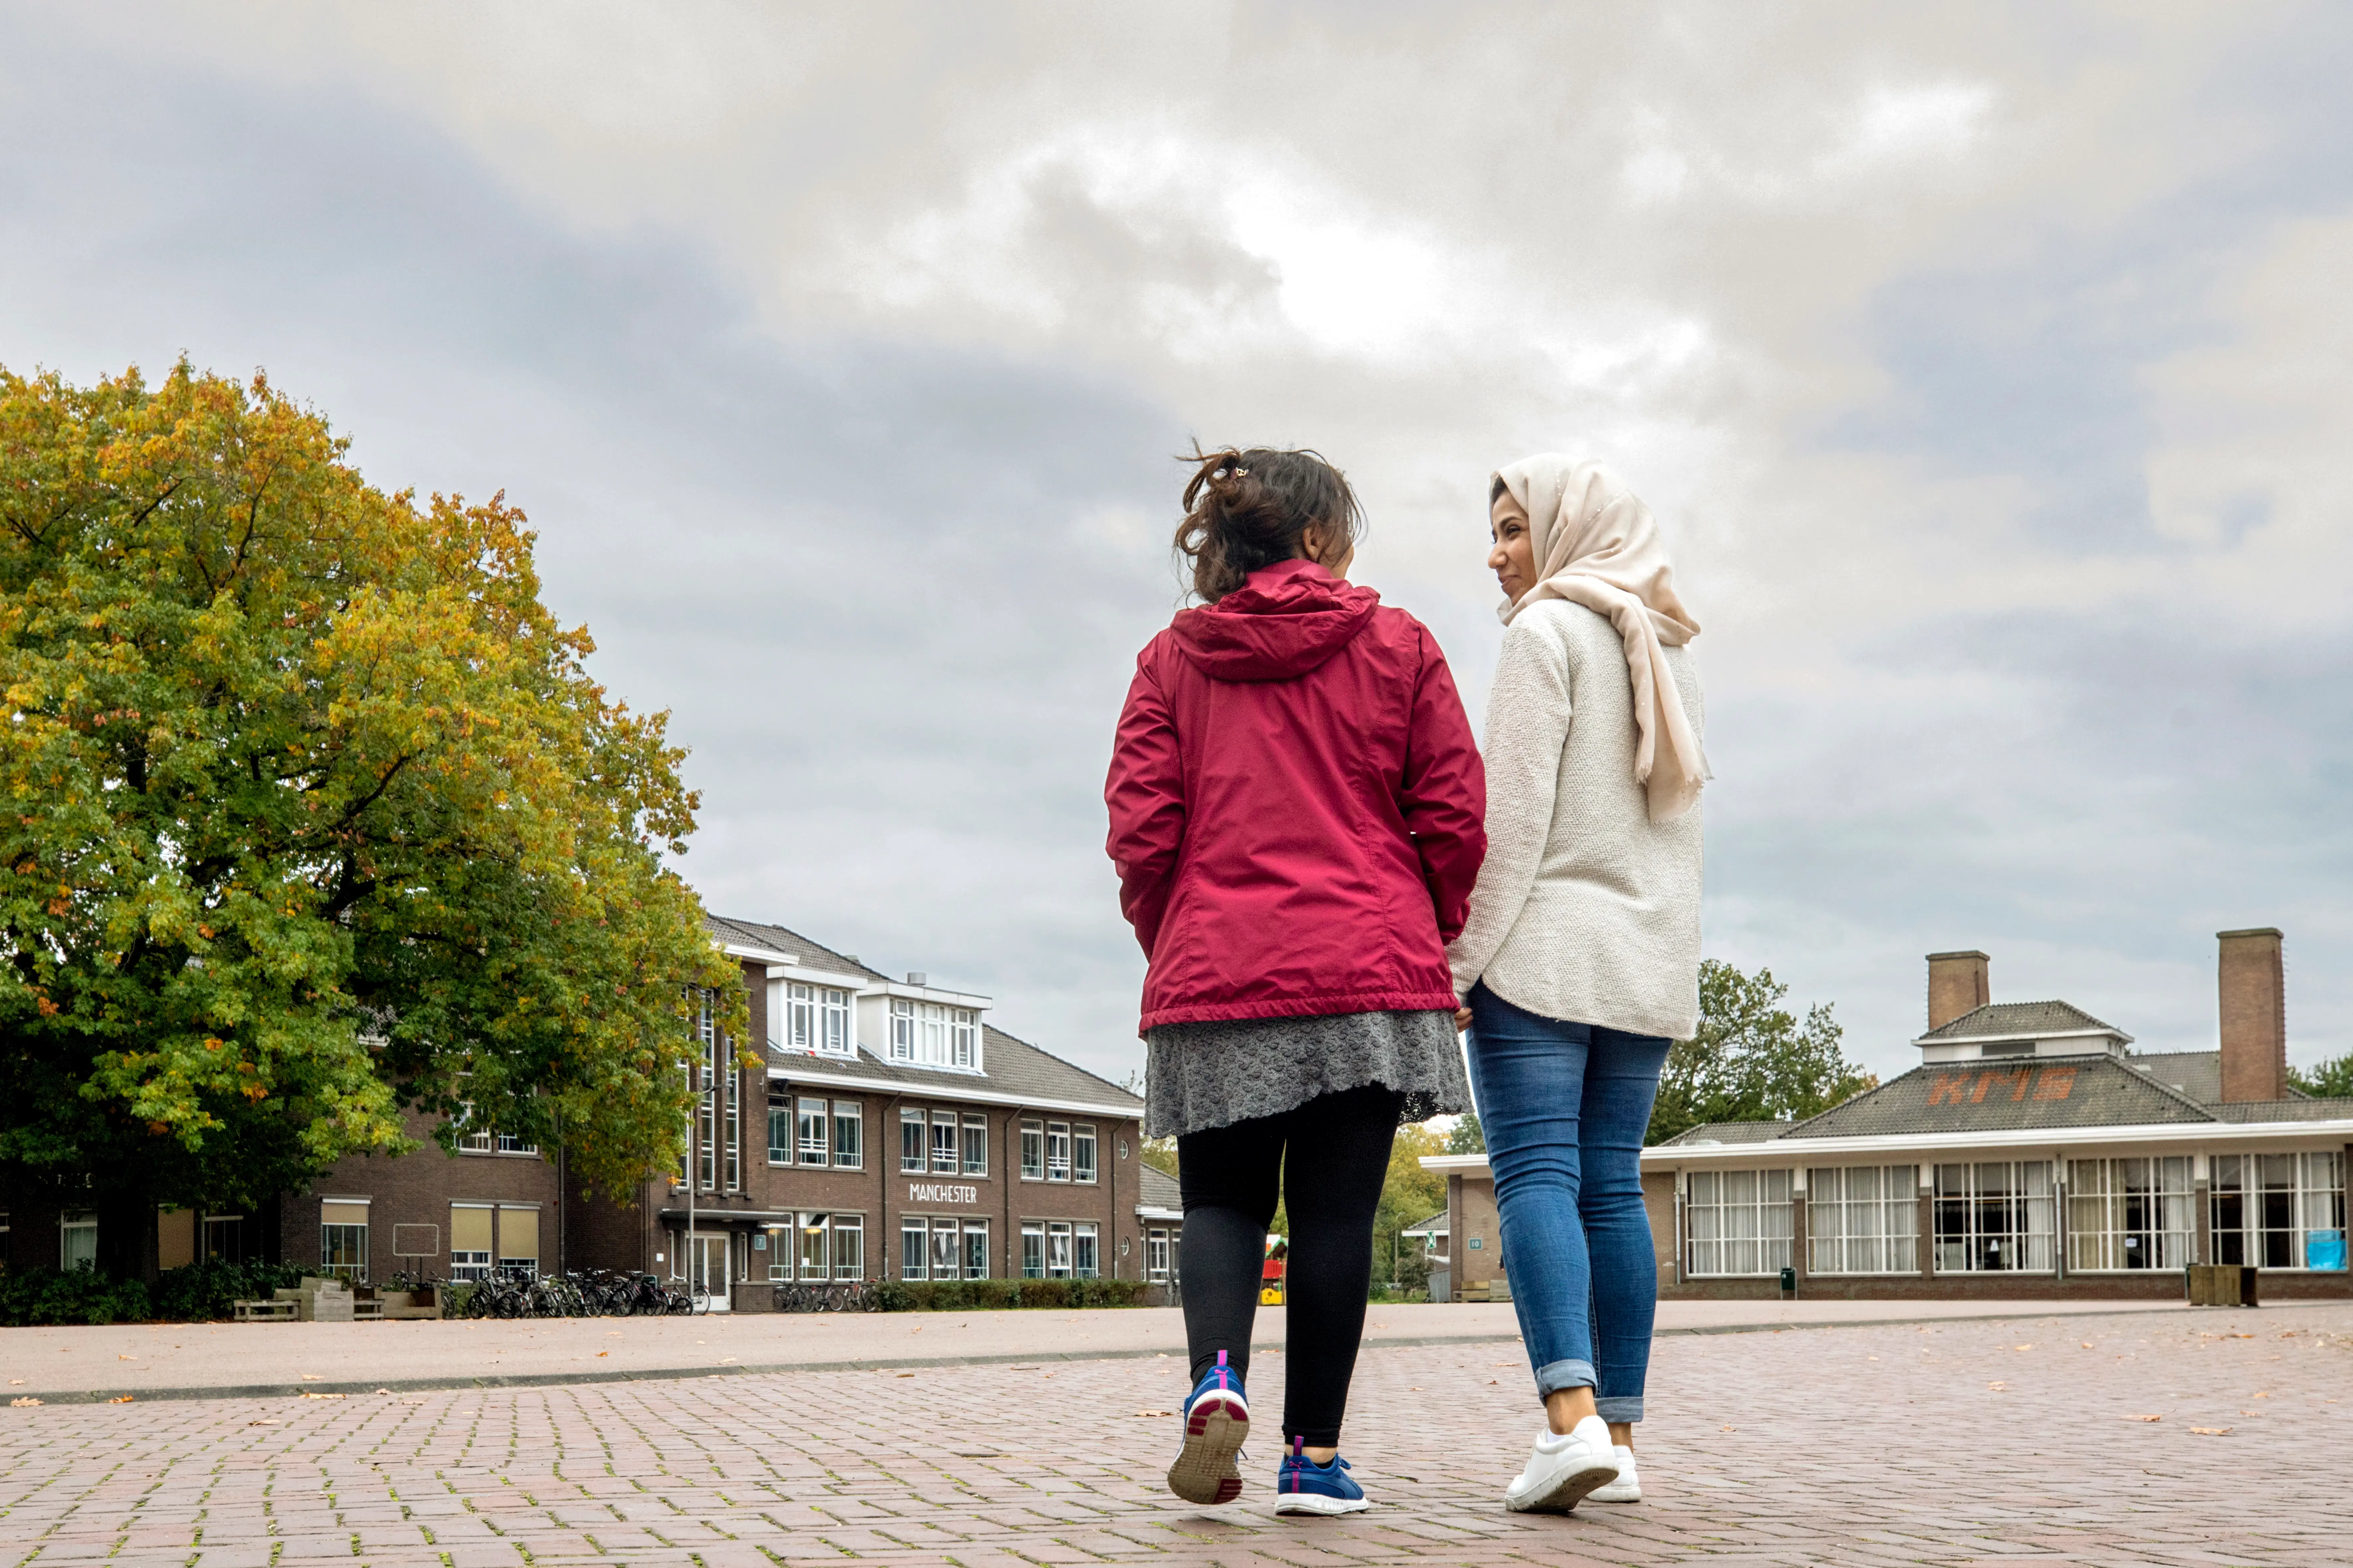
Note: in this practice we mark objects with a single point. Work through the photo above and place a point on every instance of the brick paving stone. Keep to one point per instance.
(1882, 1446)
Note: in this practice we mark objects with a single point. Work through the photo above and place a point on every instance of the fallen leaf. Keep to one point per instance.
(261, 1423)
(1996, 1385)
(2214, 1431)
(19, 1402)
(2140, 1419)
(306, 1394)
(123, 1399)
(15, 1381)
(126, 1358)
(2022, 1347)
(906, 1374)
(2260, 1394)
(383, 1391)
(1155, 1413)
(313, 1377)
(604, 1353)
(1415, 1390)
(1731, 1428)
(1492, 1381)
(2090, 1346)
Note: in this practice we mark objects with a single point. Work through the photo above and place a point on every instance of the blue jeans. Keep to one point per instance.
(1564, 1107)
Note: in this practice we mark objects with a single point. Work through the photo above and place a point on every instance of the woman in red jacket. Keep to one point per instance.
(1296, 808)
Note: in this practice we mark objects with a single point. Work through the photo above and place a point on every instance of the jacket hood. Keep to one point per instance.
(1283, 621)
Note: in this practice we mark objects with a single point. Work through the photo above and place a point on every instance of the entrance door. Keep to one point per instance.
(708, 1272)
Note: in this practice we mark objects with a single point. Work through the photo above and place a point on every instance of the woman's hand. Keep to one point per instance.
(1462, 1019)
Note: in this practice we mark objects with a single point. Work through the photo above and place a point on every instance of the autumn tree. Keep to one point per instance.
(313, 815)
(1751, 1060)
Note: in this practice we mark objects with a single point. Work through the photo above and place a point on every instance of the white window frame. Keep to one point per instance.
(1156, 1253)
(849, 1246)
(849, 1136)
(1738, 1223)
(976, 1230)
(72, 1229)
(931, 1034)
(914, 1247)
(780, 1129)
(1086, 1250)
(1862, 1219)
(1084, 1150)
(810, 1117)
(1033, 1151)
(1033, 1249)
(1057, 1151)
(1058, 1249)
(914, 1160)
(2015, 1217)
(2130, 1213)
(944, 1143)
(2315, 1200)
(976, 1145)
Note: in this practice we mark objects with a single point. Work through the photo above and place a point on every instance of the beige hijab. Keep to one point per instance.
(1596, 544)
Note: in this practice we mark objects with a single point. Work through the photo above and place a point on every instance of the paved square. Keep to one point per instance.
(1945, 1443)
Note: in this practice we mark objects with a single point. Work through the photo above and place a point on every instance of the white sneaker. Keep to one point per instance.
(1626, 1488)
(1563, 1470)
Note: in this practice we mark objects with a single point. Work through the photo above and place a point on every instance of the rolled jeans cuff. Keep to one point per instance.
(1555, 1375)
(1619, 1408)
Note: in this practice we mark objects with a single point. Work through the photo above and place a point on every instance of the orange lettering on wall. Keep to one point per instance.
(1985, 1082)
(1948, 1090)
(2025, 1076)
(2057, 1083)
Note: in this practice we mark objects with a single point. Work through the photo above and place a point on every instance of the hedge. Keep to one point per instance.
(192, 1294)
(964, 1295)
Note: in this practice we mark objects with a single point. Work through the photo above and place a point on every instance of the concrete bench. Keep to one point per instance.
(268, 1311)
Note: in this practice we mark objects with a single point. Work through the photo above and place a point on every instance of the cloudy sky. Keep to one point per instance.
(1991, 367)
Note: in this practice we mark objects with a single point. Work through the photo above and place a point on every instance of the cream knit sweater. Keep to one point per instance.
(1586, 910)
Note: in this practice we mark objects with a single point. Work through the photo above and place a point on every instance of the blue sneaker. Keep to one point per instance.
(1302, 1486)
(1217, 1422)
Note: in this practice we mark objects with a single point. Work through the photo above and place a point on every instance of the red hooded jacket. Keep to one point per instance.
(1297, 807)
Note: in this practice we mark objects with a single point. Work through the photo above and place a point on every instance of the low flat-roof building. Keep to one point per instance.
(2031, 1152)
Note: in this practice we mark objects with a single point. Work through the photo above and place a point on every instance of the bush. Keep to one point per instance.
(997, 1295)
(45, 1296)
(211, 1289)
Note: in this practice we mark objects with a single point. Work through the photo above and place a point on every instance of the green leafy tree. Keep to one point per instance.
(2330, 1079)
(1408, 1195)
(313, 814)
(1751, 1060)
(1466, 1136)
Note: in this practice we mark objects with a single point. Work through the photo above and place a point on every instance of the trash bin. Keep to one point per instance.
(2222, 1285)
(1788, 1281)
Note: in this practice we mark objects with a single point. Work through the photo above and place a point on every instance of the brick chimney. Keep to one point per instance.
(2253, 988)
(1957, 984)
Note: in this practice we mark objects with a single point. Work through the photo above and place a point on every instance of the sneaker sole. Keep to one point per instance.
(1608, 1494)
(1315, 1503)
(1204, 1471)
(1564, 1494)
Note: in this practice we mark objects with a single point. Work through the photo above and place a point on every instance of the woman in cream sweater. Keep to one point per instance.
(1580, 961)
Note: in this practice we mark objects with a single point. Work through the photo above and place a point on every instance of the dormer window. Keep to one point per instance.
(817, 1018)
(926, 1034)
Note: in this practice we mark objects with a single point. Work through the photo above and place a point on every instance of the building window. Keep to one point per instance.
(915, 1256)
(812, 1132)
(1033, 1249)
(818, 1244)
(1058, 1249)
(780, 1129)
(1739, 1222)
(817, 1018)
(849, 1136)
(518, 1242)
(1057, 1151)
(976, 1249)
(1155, 1255)
(1994, 1216)
(469, 1241)
(343, 1240)
(976, 1145)
(2266, 1208)
(849, 1246)
(2129, 1213)
(1082, 1154)
(943, 1247)
(1085, 1260)
(77, 1242)
(1033, 1151)
(1864, 1219)
(911, 1142)
(944, 1143)
(947, 1257)
(224, 1236)
(929, 1034)
(715, 1159)
(779, 1242)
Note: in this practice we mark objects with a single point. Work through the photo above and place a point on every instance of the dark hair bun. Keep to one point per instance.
(1249, 508)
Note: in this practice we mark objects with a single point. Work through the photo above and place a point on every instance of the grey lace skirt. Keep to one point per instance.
(1200, 1076)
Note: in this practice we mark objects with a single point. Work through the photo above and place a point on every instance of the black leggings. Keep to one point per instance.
(1327, 1159)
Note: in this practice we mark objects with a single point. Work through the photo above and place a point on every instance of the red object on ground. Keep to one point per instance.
(1297, 806)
